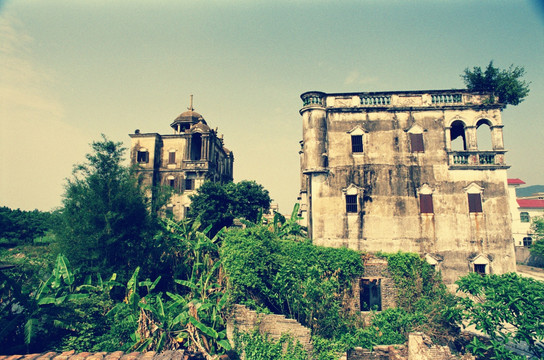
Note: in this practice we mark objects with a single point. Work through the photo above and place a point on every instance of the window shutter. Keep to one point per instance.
(351, 203)
(171, 157)
(417, 142)
(357, 143)
(474, 203)
(426, 203)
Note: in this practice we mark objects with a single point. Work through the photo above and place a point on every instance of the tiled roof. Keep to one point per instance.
(528, 203)
(515, 182)
(118, 355)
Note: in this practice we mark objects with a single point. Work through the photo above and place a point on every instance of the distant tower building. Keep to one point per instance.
(410, 171)
(183, 160)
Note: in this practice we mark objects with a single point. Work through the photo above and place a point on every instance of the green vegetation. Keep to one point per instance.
(507, 308)
(538, 246)
(104, 225)
(506, 84)
(219, 204)
(115, 277)
(18, 227)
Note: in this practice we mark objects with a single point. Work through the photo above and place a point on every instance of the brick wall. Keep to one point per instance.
(245, 320)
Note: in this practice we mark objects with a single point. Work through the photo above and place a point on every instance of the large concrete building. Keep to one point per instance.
(419, 171)
(182, 160)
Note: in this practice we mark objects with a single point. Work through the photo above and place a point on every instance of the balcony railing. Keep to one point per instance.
(195, 165)
(477, 159)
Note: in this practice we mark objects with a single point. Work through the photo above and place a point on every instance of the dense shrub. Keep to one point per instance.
(303, 281)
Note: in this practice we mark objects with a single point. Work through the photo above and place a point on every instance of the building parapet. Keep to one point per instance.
(431, 99)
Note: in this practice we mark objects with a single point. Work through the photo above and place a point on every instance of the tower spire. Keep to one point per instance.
(191, 106)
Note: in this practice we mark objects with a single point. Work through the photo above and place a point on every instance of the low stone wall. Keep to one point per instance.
(244, 320)
(117, 355)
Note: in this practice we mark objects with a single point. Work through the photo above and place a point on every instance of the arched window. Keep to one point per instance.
(483, 135)
(458, 137)
(524, 216)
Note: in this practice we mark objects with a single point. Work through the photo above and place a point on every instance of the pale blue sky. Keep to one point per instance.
(71, 70)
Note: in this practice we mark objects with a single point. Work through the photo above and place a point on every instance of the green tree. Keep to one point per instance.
(104, 224)
(219, 204)
(538, 246)
(507, 308)
(506, 84)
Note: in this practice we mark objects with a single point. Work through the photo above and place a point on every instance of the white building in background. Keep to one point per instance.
(524, 209)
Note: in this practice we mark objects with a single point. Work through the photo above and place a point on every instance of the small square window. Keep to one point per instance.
(524, 216)
(474, 203)
(357, 143)
(172, 157)
(479, 269)
(142, 157)
(426, 203)
(416, 141)
(351, 203)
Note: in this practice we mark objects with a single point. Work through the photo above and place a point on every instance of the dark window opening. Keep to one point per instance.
(189, 184)
(474, 203)
(479, 269)
(142, 157)
(527, 241)
(426, 203)
(196, 147)
(172, 157)
(357, 143)
(524, 216)
(171, 182)
(169, 211)
(457, 136)
(417, 142)
(370, 295)
(351, 203)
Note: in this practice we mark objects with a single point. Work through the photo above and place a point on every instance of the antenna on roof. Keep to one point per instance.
(191, 106)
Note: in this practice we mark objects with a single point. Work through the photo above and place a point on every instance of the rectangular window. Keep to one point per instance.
(142, 157)
(474, 203)
(357, 143)
(189, 184)
(172, 157)
(426, 203)
(417, 142)
(479, 269)
(172, 182)
(524, 216)
(351, 203)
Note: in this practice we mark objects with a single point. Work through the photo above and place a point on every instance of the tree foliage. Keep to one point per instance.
(18, 226)
(218, 204)
(104, 223)
(507, 308)
(507, 84)
(538, 246)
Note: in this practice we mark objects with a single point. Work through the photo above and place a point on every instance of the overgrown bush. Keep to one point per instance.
(303, 281)
(422, 294)
(255, 346)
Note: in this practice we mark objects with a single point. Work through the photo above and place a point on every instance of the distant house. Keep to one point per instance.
(523, 210)
(183, 160)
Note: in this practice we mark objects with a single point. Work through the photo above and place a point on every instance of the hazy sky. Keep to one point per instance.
(71, 70)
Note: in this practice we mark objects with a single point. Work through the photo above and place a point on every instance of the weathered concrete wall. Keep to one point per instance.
(244, 320)
(388, 177)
